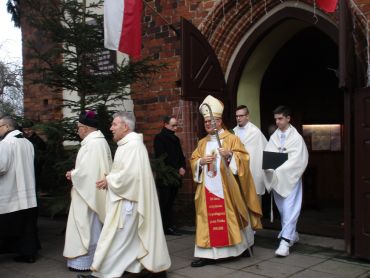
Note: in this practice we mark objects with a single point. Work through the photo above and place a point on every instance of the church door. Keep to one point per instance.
(362, 174)
(201, 71)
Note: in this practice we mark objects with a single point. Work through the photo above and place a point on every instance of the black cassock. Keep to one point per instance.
(18, 232)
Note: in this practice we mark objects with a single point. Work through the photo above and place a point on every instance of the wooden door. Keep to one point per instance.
(362, 174)
(201, 73)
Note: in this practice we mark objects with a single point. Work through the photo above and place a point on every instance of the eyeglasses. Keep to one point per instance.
(239, 116)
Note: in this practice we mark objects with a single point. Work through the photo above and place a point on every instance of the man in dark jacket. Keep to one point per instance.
(40, 148)
(167, 144)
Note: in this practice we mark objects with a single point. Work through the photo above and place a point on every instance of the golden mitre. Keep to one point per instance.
(216, 105)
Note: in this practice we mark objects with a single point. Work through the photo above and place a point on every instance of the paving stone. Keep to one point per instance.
(313, 274)
(340, 268)
(305, 261)
(6, 273)
(174, 247)
(240, 263)
(298, 260)
(187, 240)
(242, 274)
(353, 261)
(271, 269)
(205, 271)
(42, 265)
(179, 262)
(365, 275)
(174, 275)
(262, 253)
(187, 253)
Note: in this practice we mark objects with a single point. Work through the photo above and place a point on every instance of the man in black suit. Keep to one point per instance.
(168, 144)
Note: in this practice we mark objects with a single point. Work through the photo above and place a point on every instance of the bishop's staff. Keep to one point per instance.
(213, 124)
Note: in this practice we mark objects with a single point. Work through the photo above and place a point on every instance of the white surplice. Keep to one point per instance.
(132, 237)
(17, 175)
(87, 209)
(254, 142)
(286, 180)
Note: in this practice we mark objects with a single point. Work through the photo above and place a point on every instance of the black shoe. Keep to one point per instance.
(172, 232)
(246, 252)
(78, 270)
(25, 259)
(202, 262)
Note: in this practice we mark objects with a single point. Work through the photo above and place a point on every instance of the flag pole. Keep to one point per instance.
(169, 24)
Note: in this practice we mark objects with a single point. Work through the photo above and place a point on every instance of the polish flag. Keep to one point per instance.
(328, 6)
(122, 26)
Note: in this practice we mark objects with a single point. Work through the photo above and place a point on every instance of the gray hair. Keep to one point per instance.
(10, 122)
(126, 117)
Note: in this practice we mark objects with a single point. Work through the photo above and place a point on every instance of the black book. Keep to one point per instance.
(272, 160)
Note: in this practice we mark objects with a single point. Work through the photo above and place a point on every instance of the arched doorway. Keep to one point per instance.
(293, 62)
(302, 75)
(248, 56)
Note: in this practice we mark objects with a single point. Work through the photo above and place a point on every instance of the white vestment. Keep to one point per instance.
(254, 142)
(132, 237)
(289, 209)
(217, 189)
(17, 174)
(87, 210)
(286, 180)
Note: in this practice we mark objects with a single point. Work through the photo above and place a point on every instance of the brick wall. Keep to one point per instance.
(41, 103)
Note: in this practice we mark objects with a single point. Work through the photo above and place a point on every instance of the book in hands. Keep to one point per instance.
(272, 160)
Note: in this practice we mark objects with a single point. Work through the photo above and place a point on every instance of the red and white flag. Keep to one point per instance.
(122, 26)
(328, 6)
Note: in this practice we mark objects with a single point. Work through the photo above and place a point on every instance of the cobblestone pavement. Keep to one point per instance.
(312, 257)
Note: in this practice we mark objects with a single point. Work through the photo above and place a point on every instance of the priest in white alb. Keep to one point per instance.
(132, 238)
(87, 209)
(18, 204)
(226, 202)
(286, 180)
(254, 142)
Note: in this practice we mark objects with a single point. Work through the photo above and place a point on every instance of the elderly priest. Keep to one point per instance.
(87, 210)
(132, 238)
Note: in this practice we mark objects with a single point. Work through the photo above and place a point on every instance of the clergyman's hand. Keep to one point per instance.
(225, 153)
(207, 159)
(102, 184)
